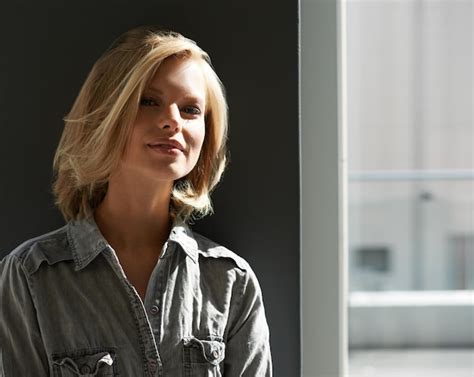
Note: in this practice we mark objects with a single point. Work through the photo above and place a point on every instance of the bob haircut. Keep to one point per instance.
(99, 125)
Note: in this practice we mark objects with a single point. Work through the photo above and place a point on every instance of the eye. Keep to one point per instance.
(193, 110)
(147, 101)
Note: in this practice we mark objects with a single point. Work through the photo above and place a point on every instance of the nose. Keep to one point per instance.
(170, 118)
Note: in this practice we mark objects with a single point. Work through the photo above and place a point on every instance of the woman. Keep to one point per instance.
(125, 287)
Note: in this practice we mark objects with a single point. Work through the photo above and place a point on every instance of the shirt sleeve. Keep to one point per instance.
(248, 342)
(21, 347)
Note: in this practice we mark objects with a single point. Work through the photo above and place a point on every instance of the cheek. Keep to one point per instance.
(134, 146)
(198, 138)
(133, 140)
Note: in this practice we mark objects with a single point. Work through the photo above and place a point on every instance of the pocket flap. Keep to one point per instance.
(83, 363)
(213, 351)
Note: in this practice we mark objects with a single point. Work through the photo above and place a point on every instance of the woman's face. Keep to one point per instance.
(169, 129)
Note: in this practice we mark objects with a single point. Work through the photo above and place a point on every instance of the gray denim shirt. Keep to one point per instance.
(67, 309)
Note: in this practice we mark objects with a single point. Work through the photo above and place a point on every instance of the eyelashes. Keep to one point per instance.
(194, 110)
(145, 101)
(189, 109)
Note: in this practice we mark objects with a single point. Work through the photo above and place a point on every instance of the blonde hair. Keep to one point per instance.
(99, 124)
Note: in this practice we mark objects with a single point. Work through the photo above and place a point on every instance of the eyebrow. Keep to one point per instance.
(191, 97)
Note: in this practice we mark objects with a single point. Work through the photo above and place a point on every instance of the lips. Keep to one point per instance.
(167, 144)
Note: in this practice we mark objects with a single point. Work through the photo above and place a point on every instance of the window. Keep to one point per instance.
(411, 187)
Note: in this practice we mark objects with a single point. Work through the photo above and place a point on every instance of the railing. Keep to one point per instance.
(411, 175)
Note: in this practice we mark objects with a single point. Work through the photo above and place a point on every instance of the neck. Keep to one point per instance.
(135, 215)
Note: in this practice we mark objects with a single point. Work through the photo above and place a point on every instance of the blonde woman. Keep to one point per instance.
(126, 287)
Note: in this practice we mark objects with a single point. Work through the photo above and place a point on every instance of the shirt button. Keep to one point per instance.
(85, 369)
(154, 309)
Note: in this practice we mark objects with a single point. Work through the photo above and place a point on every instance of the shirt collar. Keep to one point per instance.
(87, 241)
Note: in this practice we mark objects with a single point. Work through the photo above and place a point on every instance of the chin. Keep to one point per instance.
(171, 174)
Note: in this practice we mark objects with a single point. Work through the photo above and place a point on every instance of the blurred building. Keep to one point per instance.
(410, 134)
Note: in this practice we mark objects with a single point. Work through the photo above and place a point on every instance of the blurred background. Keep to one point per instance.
(410, 187)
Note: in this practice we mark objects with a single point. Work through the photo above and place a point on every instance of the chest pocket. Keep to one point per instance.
(85, 363)
(203, 357)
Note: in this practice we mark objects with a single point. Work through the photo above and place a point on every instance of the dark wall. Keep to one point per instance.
(48, 48)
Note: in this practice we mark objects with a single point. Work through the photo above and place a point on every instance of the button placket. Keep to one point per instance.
(156, 309)
(144, 327)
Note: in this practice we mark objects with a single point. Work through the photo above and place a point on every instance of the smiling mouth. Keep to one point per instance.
(166, 149)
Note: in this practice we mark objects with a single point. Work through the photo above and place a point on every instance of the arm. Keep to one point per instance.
(21, 346)
(248, 343)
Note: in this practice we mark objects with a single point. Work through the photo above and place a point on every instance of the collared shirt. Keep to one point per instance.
(67, 309)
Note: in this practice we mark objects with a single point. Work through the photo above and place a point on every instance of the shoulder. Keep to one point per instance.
(215, 259)
(219, 266)
(50, 247)
(210, 250)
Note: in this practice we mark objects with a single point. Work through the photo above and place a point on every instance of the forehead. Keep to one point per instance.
(178, 75)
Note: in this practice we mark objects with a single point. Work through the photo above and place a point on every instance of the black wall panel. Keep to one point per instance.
(47, 48)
